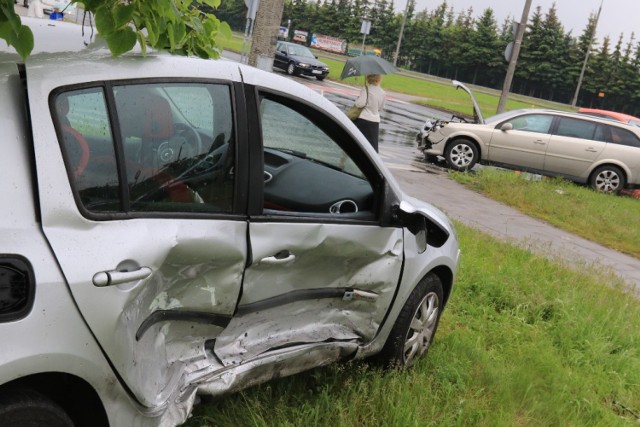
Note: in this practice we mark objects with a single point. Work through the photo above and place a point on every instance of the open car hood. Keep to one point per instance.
(477, 114)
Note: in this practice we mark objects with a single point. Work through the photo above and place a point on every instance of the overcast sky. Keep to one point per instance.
(618, 16)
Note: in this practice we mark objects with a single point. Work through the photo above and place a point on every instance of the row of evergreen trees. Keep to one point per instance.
(471, 48)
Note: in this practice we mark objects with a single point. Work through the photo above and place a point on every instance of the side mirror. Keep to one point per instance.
(506, 126)
(426, 229)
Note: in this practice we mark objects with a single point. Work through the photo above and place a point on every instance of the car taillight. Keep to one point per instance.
(17, 287)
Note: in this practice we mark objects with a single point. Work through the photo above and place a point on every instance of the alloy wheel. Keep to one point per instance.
(422, 328)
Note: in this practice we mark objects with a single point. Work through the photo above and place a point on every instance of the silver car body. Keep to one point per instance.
(147, 311)
(542, 141)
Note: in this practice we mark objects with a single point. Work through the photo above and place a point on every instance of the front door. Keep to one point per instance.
(143, 222)
(323, 269)
(524, 145)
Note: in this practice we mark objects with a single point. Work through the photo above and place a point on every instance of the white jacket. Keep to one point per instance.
(373, 103)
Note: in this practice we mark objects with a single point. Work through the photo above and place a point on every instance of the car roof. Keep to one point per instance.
(512, 113)
(54, 37)
(613, 114)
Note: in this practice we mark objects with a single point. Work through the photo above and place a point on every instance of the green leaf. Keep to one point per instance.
(122, 14)
(121, 41)
(153, 29)
(142, 41)
(105, 23)
(225, 30)
(22, 41)
(212, 3)
(171, 35)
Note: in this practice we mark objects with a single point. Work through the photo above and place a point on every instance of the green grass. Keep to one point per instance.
(523, 342)
(609, 220)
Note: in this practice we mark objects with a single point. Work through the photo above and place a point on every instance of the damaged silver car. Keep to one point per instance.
(174, 226)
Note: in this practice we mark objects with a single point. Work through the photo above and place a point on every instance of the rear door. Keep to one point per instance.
(574, 146)
(139, 197)
(524, 145)
(324, 270)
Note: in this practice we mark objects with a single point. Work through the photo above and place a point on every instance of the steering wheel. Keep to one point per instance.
(190, 135)
(81, 163)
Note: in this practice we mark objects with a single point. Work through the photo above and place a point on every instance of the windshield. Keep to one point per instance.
(503, 116)
(300, 51)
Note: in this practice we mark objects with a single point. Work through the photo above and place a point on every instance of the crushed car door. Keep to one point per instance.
(323, 270)
(139, 211)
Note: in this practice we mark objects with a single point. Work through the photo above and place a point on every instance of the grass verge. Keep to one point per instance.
(524, 341)
(602, 218)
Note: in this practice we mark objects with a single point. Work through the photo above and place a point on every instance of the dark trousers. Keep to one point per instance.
(370, 130)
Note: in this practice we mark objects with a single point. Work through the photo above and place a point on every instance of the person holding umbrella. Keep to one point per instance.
(371, 100)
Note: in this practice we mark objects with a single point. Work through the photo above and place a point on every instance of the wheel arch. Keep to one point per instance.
(625, 170)
(445, 275)
(467, 137)
(76, 396)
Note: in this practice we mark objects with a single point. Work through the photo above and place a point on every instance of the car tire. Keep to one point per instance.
(320, 78)
(291, 69)
(26, 407)
(608, 179)
(415, 327)
(461, 154)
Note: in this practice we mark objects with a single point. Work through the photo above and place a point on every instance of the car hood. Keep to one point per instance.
(477, 114)
(307, 60)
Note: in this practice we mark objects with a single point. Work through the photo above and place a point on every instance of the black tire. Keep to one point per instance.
(320, 78)
(291, 69)
(423, 309)
(28, 408)
(461, 154)
(608, 179)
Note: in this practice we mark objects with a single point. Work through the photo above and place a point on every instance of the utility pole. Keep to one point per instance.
(265, 33)
(404, 21)
(511, 70)
(574, 101)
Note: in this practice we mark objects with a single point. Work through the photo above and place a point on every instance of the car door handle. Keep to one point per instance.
(591, 149)
(539, 141)
(282, 257)
(115, 277)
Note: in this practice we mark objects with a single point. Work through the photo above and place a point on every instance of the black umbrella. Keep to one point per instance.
(366, 64)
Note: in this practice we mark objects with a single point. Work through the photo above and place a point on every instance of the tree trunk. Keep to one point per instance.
(475, 75)
(265, 33)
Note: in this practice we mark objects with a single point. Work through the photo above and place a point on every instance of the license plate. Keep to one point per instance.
(316, 71)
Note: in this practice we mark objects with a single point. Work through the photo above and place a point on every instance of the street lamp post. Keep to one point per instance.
(404, 20)
(508, 79)
(574, 101)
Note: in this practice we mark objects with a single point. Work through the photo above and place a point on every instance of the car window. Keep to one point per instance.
(306, 170)
(300, 51)
(576, 128)
(624, 137)
(540, 123)
(175, 140)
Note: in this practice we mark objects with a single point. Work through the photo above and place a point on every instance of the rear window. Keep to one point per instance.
(624, 137)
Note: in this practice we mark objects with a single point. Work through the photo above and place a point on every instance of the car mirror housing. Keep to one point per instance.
(426, 228)
(506, 126)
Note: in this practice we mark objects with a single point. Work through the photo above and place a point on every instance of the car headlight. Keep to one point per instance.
(303, 65)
